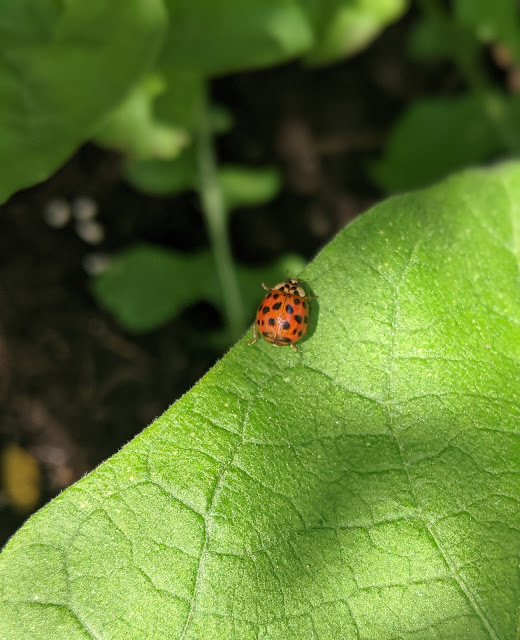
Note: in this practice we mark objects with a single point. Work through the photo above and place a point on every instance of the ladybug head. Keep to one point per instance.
(291, 286)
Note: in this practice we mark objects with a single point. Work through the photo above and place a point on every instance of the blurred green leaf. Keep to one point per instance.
(164, 177)
(63, 67)
(492, 22)
(365, 487)
(438, 37)
(71, 70)
(180, 103)
(343, 27)
(147, 285)
(133, 127)
(439, 135)
(218, 37)
(242, 186)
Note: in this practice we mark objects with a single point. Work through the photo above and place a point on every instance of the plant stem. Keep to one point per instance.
(216, 217)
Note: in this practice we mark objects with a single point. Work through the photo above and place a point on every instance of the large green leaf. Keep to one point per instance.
(63, 66)
(366, 487)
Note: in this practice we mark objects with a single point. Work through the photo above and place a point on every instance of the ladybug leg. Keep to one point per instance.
(255, 335)
(294, 348)
(266, 287)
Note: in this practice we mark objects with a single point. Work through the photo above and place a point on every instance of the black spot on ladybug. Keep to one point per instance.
(277, 305)
(306, 319)
(304, 304)
(258, 322)
(286, 325)
(294, 332)
(275, 295)
(260, 307)
(300, 333)
(298, 319)
(271, 322)
(265, 334)
(296, 300)
(268, 295)
(289, 309)
(263, 323)
(265, 309)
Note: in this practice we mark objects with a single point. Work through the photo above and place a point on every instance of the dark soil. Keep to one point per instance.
(75, 387)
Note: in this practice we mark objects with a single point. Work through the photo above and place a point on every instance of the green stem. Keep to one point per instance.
(216, 217)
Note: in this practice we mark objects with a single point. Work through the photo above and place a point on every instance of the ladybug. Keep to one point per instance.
(283, 316)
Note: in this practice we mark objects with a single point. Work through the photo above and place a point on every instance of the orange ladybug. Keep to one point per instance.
(283, 316)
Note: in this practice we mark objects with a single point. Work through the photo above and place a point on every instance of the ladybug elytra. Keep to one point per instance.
(282, 317)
